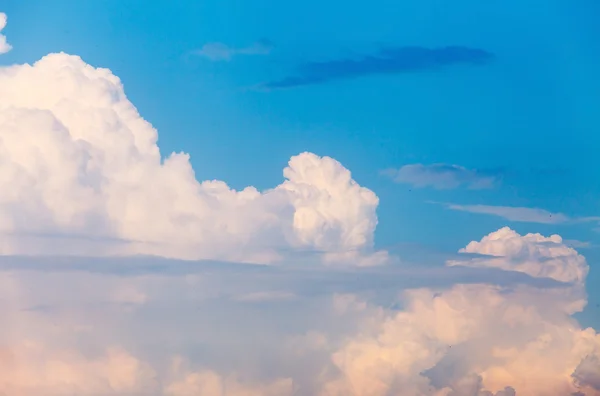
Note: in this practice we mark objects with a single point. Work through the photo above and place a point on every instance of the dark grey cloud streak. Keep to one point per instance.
(386, 61)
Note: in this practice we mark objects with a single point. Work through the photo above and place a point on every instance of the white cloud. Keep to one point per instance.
(513, 213)
(79, 161)
(223, 52)
(441, 176)
(4, 46)
(533, 254)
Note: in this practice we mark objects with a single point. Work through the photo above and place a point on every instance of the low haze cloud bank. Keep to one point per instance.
(151, 326)
(81, 175)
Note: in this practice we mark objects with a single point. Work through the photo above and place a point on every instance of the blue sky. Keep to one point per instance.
(526, 116)
(462, 117)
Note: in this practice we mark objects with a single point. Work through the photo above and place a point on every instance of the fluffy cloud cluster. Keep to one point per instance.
(77, 160)
(471, 340)
(4, 46)
(482, 339)
(80, 172)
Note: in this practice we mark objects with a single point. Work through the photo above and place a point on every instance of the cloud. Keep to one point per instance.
(385, 61)
(80, 164)
(588, 372)
(81, 174)
(514, 213)
(523, 214)
(532, 254)
(223, 52)
(441, 176)
(4, 46)
(479, 339)
(121, 331)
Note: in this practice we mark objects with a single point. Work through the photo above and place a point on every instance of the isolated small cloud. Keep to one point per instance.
(514, 213)
(385, 61)
(441, 176)
(533, 254)
(4, 46)
(224, 52)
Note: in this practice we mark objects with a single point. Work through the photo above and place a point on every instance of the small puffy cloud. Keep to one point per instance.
(533, 254)
(441, 176)
(512, 213)
(4, 46)
(80, 164)
(223, 52)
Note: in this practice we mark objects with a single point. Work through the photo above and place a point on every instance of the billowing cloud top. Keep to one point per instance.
(532, 254)
(4, 46)
(78, 160)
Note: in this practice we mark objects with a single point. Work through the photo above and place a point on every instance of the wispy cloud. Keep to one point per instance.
(513, 213)
(388, 60)
(574, 243)
(441, 176)
(263, 296)
(524, 215)
(223, 52)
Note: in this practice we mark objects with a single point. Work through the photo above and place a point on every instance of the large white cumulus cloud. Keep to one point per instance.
(76, 159)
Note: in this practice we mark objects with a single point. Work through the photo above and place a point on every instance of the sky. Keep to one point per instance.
(319, 198)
